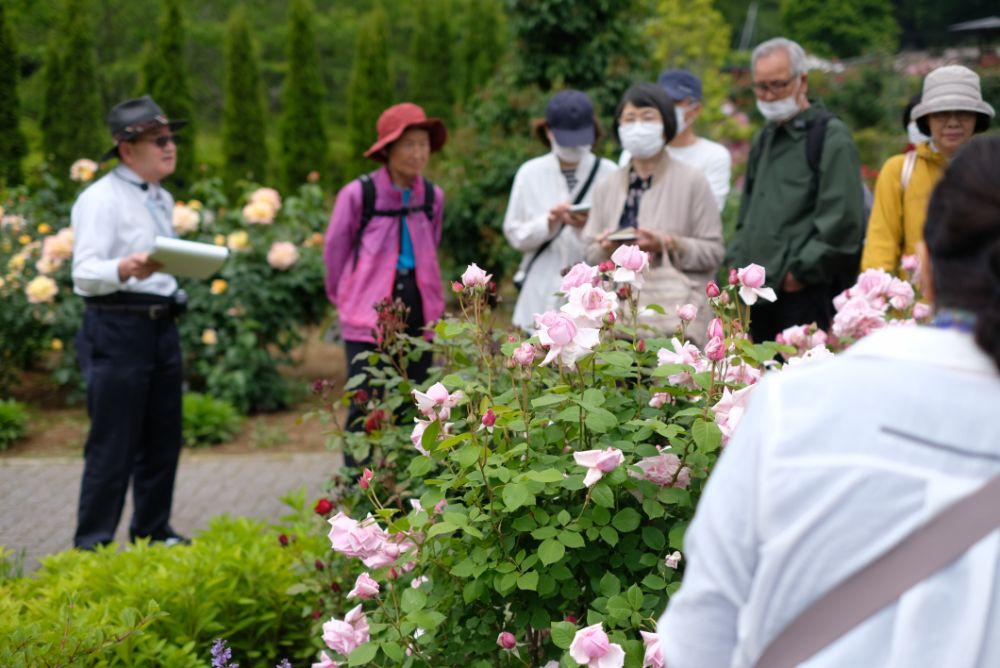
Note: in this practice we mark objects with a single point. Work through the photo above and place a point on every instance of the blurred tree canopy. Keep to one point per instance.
(843, 29)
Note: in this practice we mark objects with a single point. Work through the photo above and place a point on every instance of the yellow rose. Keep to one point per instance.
(209, 337)
(238, 241)
(83, 170)
(57, 344)
(24, 239)
(219, 286)
(48, 264)
(259, 213)
(268, 196)
(44, 228)
(185, 219)
(195, 204)
(59, 246)
(16, 263)
(41, 289)
(220, 240)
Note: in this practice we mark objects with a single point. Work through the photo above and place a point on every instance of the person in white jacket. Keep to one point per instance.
(712, 158)
(539, 222)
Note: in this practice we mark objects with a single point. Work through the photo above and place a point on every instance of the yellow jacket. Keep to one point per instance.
(897, 219)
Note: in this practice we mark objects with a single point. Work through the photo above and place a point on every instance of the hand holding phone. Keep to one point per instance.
(583, 207)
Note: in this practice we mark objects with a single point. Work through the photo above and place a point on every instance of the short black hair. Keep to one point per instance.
(908, 109)
(648, 95)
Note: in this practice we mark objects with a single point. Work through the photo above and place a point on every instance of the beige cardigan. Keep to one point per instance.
(679, 202)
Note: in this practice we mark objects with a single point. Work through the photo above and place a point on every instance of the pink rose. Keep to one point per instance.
(660, 399)
(437, 402)
(345, 635)
(489, 419)
(352, 538)
(417, 435)
(474, 276)
(751, 279)
(282, 255)
(324, 662)
(730, 409)
(715, 329)
(687, 312)
(910, 263)
(654, 655)
(524, 354)
(858, 317)
(507, 640)
(687, 354)
(712, 289)
(873, 284)
(598, 462)
(591, 647)
(715, 349)
(674, 560)
(364, 588)
(921, 311)
(365, 481)
(664, 470)
(579, 274)
(900, 294)
(734, 276)
(631, 262)
(590, 304)
(564, 339)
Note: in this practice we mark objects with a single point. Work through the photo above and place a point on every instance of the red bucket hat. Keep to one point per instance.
(399, 118)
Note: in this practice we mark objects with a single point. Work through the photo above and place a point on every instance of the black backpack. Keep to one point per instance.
(368, 210)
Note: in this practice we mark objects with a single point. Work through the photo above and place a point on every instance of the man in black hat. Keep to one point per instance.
(128, 345)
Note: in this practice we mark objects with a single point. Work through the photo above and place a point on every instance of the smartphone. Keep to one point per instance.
(579, 208)
(626, 234)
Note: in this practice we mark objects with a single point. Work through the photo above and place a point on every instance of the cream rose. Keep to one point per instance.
(259, 213)
(185, 219)
(83, 170)
(283, 254)
(238, 241)
(268, 196)
(41, 289)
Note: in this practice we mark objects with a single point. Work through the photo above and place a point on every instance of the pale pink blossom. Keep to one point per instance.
(802, 337)
(673, 560)
(900, 294)
(751, 279)
(590, 305)
(83, 170)
(653, 657)
(258, 213)
(683, 353)
(579, 274)
(816, 353)
(268, 196)
(660, 399)
(437, 402)
(474, 275)
(858, 317)
(687, 312)
(591, 647)
(730, 409)
(910, 263)
(565, 339)
(282, 255)
(506, 640)
(524, 354)
(630, 263)
(921, 311)
(664, 470)
(345, 635)
(353, 538)
(364, 588)
(389, 551)
(598, 462)
(740, 373)
(873, 284)
(417, 435)
(324, 661)
(715, 329)
(418, 581)
(715, 349)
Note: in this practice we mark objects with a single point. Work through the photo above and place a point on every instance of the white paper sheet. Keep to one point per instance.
(189, 259)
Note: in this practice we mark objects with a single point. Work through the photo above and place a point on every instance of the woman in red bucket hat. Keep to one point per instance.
(383, 237)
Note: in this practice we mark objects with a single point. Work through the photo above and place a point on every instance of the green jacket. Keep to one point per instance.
(792, 220)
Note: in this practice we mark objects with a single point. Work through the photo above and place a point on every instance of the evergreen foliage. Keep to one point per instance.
(244, 138)
(165, 77)
(303, 123)
(12, 144)
(74, 122)
(432, 81)
(370, 91)
(481, 46)
(841, 29)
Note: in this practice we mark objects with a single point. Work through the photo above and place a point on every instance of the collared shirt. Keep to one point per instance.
(792, 219)
(832, 465)
(406, 258)
(636, 187)
(113, 218)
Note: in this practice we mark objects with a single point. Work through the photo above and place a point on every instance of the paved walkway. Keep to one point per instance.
(38, 496)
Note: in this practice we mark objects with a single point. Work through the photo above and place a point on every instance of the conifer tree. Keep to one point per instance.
(165, 77)
(80, 106)
(431, 82)
(53, 122)
(481, 46)
(244, 138)
(369, 92)
(303, 129)
(12, 144)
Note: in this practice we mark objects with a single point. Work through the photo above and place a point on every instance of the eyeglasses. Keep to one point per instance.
(774, 87)
(160, 141)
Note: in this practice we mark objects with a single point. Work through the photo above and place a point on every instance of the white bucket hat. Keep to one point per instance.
(952, 88)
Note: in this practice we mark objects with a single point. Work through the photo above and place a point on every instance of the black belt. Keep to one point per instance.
(153, 307)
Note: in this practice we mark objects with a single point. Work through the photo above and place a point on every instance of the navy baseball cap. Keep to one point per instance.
(570, 117)
(680, 85)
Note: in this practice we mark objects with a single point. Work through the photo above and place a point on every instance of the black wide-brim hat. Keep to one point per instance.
(131, 118)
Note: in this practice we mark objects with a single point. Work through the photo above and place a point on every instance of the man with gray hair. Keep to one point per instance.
(801, 211)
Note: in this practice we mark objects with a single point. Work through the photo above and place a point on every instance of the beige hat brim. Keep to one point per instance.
(952, 103)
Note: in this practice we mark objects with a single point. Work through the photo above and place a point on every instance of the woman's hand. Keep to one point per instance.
(653, 242)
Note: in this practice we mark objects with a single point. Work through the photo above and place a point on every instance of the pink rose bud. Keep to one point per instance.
(724, 298)
(392, 574)
(571, 619)
(734, 278)
(750, 276)
(507, 640)
(524, 354)
(715, 349)
(921, 311)
(364, 482)
(641, 345)
(910, 263)
(490, 418)
(687, 312)
(474, 276)
(610, 318)
(712, 289)
(606, 266)
(456, 286)
(715, 329)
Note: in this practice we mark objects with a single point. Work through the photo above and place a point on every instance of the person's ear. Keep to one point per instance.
(926, 272)
(804, 87)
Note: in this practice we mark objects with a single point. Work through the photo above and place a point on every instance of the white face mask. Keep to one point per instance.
(914, 134)
(679, 113)
(778, 110)
(570, 154)
(641, 138)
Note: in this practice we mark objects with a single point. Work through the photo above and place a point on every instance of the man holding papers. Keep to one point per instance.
(128, 344)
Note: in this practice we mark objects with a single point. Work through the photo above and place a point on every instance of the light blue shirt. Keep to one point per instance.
(407, 260)
(112, 219)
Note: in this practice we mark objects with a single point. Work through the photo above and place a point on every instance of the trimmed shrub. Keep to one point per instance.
(208, 420)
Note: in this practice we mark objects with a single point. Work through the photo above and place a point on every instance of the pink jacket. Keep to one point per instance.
(355, 290)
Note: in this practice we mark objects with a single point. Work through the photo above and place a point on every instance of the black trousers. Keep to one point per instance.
(813, 304)
(132, 366)
(404, 289)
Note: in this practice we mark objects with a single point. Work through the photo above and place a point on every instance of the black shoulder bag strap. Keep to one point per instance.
(579, 198)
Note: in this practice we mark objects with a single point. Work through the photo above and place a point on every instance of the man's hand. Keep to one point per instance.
(792, 284)
(138, 265)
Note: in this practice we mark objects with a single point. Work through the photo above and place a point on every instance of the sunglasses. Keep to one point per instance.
(161, 141)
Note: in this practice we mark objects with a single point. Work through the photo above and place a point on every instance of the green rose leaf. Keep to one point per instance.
(653, 538)
(627, 520)
(412, 600)
(706, 435)
(528, 581)
(571, 539)
(394, 652)
(551, 551)
(362, 654)
(563, 634)
(516, 495)
(603, 496)
(609, 535)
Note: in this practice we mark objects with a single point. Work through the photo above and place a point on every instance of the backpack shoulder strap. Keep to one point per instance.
(815, 138)
(428, 206)
(909, 162)
(367, 211)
